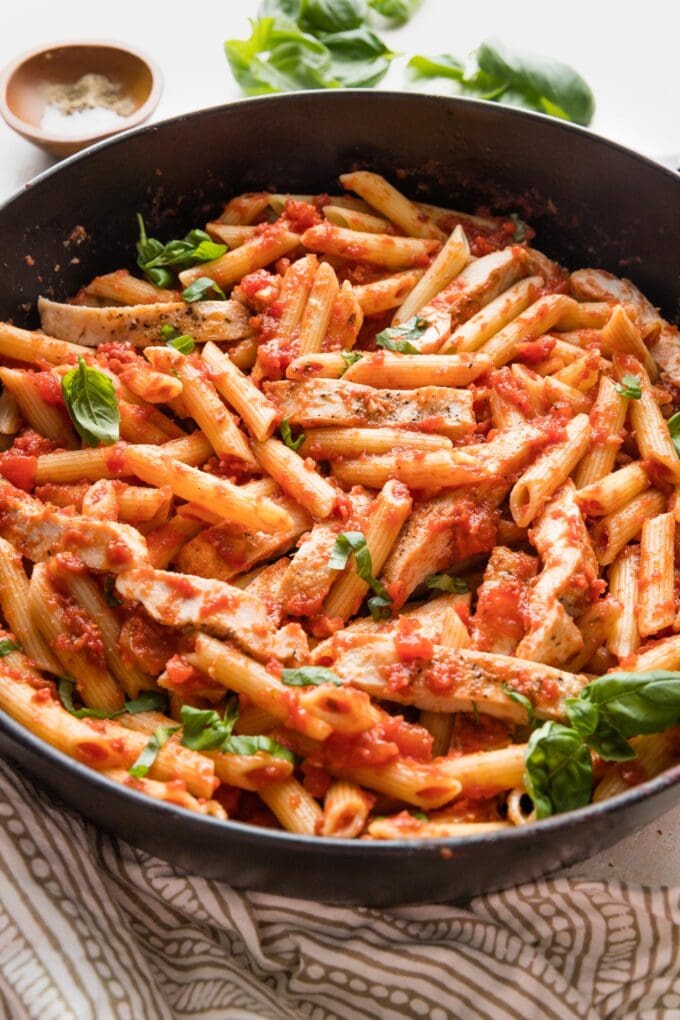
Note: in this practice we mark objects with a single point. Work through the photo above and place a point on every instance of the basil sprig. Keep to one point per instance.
(7, 646)
(514, 78)
(287, 436)
(308, 44)
(606, 714)
(147, 701)
(206, 730)
(156, 259)
(398, 338)
(92, 404)
(172, 337)
(147, 756)
(350, 358)
(447, 582)
(201, 289)
(630, 386)
(354, 542)
(309, 676)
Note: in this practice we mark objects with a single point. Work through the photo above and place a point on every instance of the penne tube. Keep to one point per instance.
(230, 234)
(295, 809)
(384, 250)
(654, 753)
(172, 792)
(425, 785)
(325, 365)
(52, 616)
(277, 203)
(549, 471)
(346, 320)
(10, 415)
(209, 491)
(613, 491)
(504, 413)
(345, 810)
(14, 591)
(257, 411)
(223, 663)
(149, 385)
(253, 254)
(663, 654)
(345, 709)
(493, 317)
(45, 418)
(451, 259)
(621, 334)
(585, 315)
(122, 288)
(329, 444)
(413, 828)
(623, 638)
(607, 417)
(410, 371)
(355, 219)
(656, 603)
(581, 374)
(166, 542)
(617, 529)
(652, 435)
(296, 476)
(34, 348)
(381, 195)
(137, 425)
(386, 517)
(389, 292)
(246, 208)
(433, 469)
(529, 324)
(244, 354)
(595, 625)
(317, 312)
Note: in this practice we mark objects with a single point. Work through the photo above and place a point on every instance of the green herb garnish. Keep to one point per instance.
(200, 290)
(447, 582)
(150, 752)
(354, 543)
(156, 259)
(287, 436)
(147, 701)
(350, 358)
(181, 342)
(205, 730)
(398, 338)
(630, 386)
(7, 646)
(309, 676)
(92, 404)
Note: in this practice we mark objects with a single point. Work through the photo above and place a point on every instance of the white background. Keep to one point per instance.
(628, 54)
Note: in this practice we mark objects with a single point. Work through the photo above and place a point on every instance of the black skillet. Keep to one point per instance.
(592, 203)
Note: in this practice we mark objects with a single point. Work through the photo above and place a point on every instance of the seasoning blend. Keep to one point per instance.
(91, 105)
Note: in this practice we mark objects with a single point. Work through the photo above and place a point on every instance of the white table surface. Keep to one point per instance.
(630, 61)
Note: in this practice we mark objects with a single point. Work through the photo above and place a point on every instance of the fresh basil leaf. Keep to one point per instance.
(290, 10)
(154, 257)
(92, 404)
(380, 607)
(148, 754)
(332, 15)
(278, 57)
(449, 76)
(583, 715)
(7, 646)
(309, 676)
(636, 703)
(398, 338)
(520, 699)
(447, 582)
(354, 542)
(200, 290)
(520, 228)
(181, 342)
(674, 430)
(420, 815)
(359, 58)
(287, 437)
(398, 11)
(351, 357)
(555, 88)
(558, 771)
(630, 386)
(205, 729)
(147, 701)
(251, 745)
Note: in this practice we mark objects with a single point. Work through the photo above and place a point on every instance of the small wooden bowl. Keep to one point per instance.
(26, 86)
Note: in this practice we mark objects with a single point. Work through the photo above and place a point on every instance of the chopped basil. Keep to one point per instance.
(447, 582)
(630, 386)
(205, 730)
(150, 752)
(603, 718)
(7, 646)
(398, 338)
(309, 676)
(181, 342)
(110, 591)
(520, 699)
(674, 429)
(520, 228)
(354, 542)
(251, 745)
(92, 404)
(155, 258)
(420, 815)
(350, 358)
(287, 436)
(147, 701)
(201, 288)
(494, 72)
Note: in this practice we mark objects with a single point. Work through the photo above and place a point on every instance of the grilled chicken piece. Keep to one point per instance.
(498, 622)
(480, 282)
(140, 324)
(38, 531)
(448, 680)
(598, 285)
(318, 402)
(182, 600)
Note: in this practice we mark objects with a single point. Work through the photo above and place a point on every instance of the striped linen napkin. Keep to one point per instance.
(92, 929)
